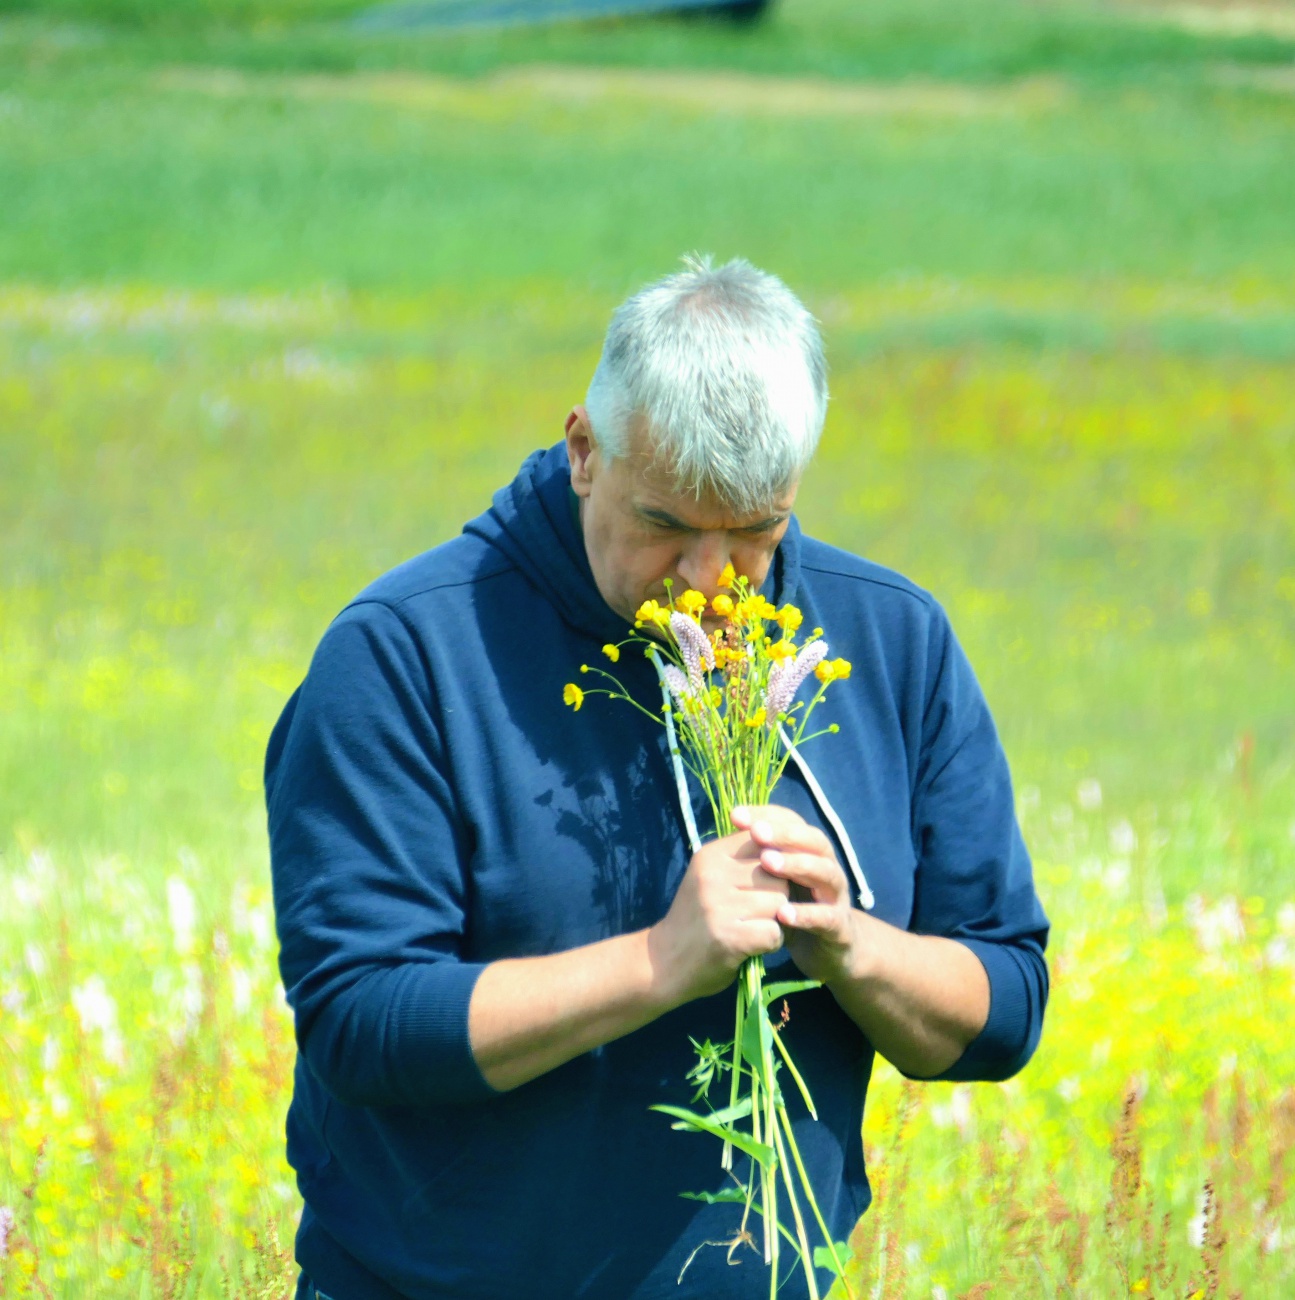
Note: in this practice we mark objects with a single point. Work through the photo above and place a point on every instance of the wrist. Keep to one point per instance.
(862, 965)
(662, 985)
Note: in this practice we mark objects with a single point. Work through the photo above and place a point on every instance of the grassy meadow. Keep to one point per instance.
(281, 304)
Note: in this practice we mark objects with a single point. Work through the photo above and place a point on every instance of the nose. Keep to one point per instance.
(703, 560)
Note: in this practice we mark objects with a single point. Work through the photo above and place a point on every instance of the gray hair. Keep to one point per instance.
(726, 366)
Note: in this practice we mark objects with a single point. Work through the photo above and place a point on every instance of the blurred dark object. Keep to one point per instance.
(410, 14)
(738, 11)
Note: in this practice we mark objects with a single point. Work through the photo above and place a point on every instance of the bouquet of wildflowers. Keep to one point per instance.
(730, 711)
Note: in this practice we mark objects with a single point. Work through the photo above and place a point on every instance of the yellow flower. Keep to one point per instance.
(722, 605)
(651, 612)
(613, 652)
(727, 578)
(692, 602)
(781, 650)
(716, 695)
(789, 618)
(754, 607)
(573, 695)
(833, 670)
(756, 719)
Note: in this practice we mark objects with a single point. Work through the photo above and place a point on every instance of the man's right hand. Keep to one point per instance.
(529, 1015)
(725, 911)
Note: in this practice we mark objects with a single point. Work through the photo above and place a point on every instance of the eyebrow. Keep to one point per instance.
(664, 517)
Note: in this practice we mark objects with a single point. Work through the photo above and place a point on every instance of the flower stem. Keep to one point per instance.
(809, 1196)
(806, 1257)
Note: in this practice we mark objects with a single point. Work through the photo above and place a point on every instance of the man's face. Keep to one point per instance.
(639, 530)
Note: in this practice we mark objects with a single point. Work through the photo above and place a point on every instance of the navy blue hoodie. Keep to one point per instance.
(434, 806)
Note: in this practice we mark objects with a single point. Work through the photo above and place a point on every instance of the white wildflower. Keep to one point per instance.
(183, 912)
(1124, 838)
(97, 1011)
(1089, 794)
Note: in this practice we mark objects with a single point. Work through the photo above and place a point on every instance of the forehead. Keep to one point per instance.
(648, 484)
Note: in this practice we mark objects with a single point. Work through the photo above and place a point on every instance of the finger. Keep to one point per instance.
(761, 904)
(759, 936)
(811, 918)
(780, 828)
(751, 877)
(822, 876)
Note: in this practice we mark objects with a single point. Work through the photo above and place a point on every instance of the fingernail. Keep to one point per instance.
(772, 858)
(741, 814)
(762, 831)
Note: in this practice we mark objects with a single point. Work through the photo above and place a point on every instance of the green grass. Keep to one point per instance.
(112, 172)
(267, 328)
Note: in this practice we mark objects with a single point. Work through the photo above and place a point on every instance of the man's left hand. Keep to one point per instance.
(818, 919)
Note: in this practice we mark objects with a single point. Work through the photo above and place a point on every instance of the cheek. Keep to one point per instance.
(754, 559)
(637, 567)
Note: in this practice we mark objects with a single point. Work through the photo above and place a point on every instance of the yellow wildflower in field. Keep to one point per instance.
(757, 718)
(780, 650)
(692, 602)
(573, 695)
(613, 652)
(723, 606)
(727, 578)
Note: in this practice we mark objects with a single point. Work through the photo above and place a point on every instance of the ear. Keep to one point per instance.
(581, 450)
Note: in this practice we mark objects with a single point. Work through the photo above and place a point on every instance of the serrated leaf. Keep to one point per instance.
(763, 1155)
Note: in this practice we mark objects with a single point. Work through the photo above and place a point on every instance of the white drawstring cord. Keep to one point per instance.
(866, 900)
(680, 777)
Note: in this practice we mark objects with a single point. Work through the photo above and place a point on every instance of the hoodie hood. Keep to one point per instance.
(532, 523)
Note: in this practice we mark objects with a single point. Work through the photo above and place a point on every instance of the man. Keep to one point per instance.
(495, 937)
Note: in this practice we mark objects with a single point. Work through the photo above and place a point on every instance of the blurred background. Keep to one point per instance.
(289, 287)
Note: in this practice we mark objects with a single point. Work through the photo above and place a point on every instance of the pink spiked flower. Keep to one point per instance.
(678, 684)
(785, 679)
(694, 645)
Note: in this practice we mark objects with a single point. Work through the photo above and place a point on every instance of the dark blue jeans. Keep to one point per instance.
(306, 1290)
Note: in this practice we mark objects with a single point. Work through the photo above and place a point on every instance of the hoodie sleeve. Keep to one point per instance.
(974, 881)
(368, 861)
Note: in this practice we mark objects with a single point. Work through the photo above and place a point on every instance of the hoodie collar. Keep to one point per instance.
(532, 523)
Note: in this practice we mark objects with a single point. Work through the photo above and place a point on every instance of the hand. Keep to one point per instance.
(725, 911)
(821, 933)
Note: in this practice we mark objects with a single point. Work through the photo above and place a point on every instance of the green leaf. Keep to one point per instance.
(764, 1155)
(795, 1074)
(823, 1257)
(740, 1110)
(757, 1037)
(785, 988)
(734, 1194)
